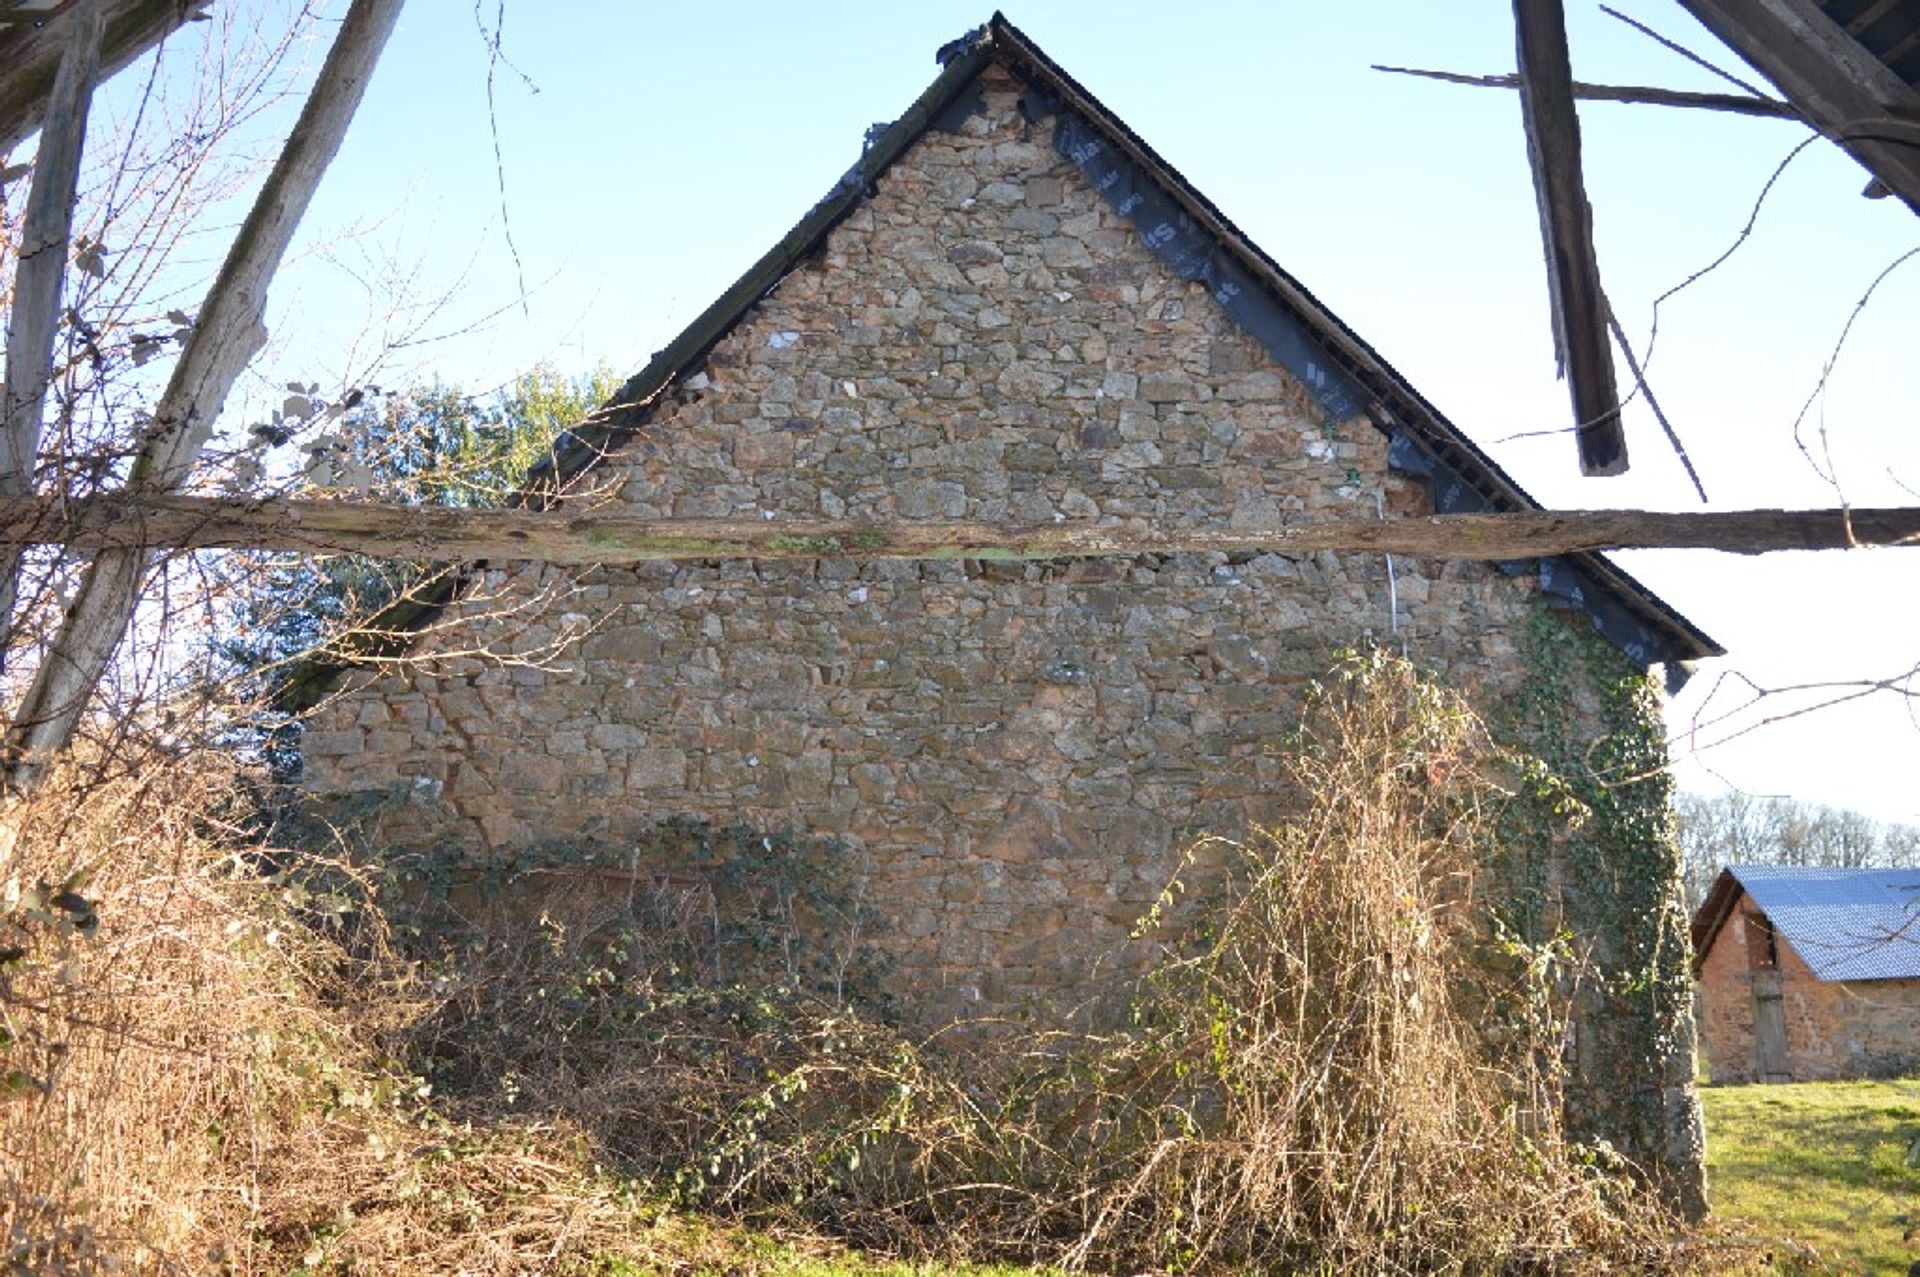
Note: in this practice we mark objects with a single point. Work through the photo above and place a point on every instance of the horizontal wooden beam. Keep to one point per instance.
(1642, 94)
(597, 537)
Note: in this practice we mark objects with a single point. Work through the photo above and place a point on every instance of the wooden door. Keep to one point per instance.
(1769, 1028)
(1769, 1012)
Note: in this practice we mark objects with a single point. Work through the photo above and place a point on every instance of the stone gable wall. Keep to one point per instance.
(1015, 753)
(1018, 747)
(1835, 1029)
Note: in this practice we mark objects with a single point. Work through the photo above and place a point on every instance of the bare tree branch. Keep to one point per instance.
(1645, 388)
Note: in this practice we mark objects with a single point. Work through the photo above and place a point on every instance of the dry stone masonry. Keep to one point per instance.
(1013, 752)
(1017, 745)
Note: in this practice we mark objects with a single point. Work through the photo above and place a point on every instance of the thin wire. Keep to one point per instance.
(1746, 233)
(1826, 372)
(494, 57)
(1393, 584)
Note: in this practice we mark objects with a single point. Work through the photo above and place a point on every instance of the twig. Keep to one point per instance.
(1646, 95)
(494, 58)
(1676, 47)
(1659, 415)
(1826, 372)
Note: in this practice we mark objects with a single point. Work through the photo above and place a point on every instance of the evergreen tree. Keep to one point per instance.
(432, 445)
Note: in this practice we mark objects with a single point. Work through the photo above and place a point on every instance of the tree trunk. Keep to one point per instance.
(126, 524)
(229, 332)
(44, 236)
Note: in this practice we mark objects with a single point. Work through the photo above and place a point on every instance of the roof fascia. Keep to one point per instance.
(583, 446)
(1713, 914)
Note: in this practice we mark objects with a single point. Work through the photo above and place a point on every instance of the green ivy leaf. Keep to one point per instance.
(15, 1083)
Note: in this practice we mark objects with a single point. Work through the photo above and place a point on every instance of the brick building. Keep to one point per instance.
(1011, 310)
(1807, 974)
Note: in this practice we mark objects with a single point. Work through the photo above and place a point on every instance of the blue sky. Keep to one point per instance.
(650, 152)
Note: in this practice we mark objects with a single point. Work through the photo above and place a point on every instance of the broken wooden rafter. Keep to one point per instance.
(1581, 341)
(132, 522)
(33, 321)
(229, 329)
(1836, 83)
(1643, 94)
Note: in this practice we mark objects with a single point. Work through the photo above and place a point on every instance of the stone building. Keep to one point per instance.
(1013, 310)
(1807, 974)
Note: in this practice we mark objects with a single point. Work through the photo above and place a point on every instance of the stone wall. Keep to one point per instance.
(1016, 751)
(1835, 1029)
(1018, 744)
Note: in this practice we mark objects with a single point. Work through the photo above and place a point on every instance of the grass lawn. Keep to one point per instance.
(676, 1244)
(1827, 1164)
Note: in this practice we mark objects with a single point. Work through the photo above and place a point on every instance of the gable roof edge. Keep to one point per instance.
(1394, 407)
(1712, 915)
(581, 447)
(1398, 405)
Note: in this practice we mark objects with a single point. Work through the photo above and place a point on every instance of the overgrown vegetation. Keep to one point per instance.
(1338, 1061)
(1593, 721)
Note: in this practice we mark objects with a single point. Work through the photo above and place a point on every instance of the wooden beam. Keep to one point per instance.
(30, 54)
(229, 329)
(1642, 94)
(1838, 86)
(40, 276)
(1580, 337)
(136, 522)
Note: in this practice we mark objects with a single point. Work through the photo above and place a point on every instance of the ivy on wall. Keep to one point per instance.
(1594, 720)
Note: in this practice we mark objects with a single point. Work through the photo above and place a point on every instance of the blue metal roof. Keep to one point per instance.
(1847, 924)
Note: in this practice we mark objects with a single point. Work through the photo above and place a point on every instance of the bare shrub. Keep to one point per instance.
(1352, 1065)
(192, 1080)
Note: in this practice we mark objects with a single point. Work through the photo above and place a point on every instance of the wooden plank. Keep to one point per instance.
(1581, 340)
(40, 276)
(30, 55)
(122, 521)
(1870, 15)
(1840, 87)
